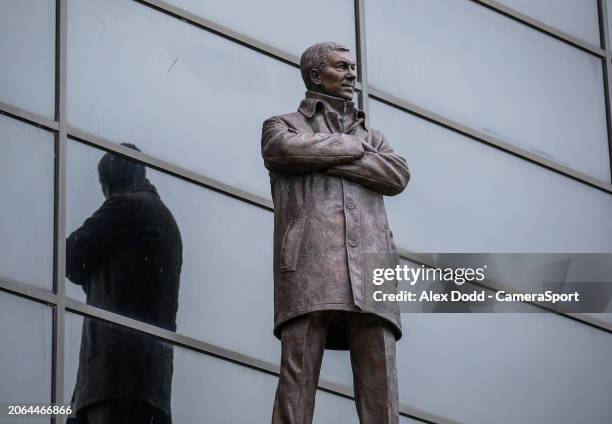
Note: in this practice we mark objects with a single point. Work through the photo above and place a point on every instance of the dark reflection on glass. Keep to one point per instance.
(210, 390)
(127, 258)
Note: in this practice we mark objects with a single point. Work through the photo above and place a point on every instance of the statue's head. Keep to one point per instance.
(119, 174)
(329, 68)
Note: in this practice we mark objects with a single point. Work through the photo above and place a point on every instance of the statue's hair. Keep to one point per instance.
(315, 57)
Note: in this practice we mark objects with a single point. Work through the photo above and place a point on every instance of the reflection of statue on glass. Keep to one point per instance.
(329, 173)
(127, 257)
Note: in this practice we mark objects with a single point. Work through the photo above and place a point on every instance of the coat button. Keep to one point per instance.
(352, 243)
(350, 205)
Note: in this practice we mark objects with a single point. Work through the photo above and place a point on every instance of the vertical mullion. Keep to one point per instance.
(603, 35)
(60, 205)
(362, 65)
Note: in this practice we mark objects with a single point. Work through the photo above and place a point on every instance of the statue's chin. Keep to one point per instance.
(342, 96)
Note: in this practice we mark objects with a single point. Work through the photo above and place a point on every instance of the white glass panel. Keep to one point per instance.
(287, 25)
(506, 368)
(25, 356)
(26, 188)
(206, 389)
(605, 317)
(465, 196)
(226, 285)
(180, 93)
(27, 47)
(493, 74)
(575, 17)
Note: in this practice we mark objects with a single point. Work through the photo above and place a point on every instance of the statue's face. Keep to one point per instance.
(337, 77)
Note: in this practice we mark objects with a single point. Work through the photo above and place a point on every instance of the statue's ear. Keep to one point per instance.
(315, 76)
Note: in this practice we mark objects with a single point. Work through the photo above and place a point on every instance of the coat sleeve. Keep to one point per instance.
(380, 169)
(285, 149)
(90, 245)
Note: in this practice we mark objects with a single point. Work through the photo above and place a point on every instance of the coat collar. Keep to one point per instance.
(308, 106)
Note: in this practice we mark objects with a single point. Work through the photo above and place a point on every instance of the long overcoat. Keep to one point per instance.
(330, 225)
(127, 257)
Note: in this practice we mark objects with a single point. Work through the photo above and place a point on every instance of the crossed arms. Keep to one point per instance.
(374, 166)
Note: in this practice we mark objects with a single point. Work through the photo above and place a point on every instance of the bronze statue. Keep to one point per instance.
(329, 173)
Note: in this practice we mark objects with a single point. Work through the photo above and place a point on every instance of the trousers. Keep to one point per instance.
(372, 351)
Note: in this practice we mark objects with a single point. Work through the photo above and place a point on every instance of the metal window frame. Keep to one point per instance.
(59, 253)
(362, 69)
(605, 42)
(29, 117)
(60, 127)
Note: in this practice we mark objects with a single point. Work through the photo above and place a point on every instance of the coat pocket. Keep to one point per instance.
(290, 247)
(393, 253)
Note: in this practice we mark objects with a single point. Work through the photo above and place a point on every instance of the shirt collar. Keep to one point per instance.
(313, 99)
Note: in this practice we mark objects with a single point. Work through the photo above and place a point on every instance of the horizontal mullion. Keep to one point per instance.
(229, 355)
(171, 169)
(28, 117)
(27, 291)
(542, 27)
(489, 140)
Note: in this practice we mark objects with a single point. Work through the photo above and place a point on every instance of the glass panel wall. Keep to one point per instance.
(505, 368)
(575, 17)
(27, 48)
(171, 253)
(465, 196)
(26, 189)
(493, 74)
(288, 26)
(25, 356)
(182, 94)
